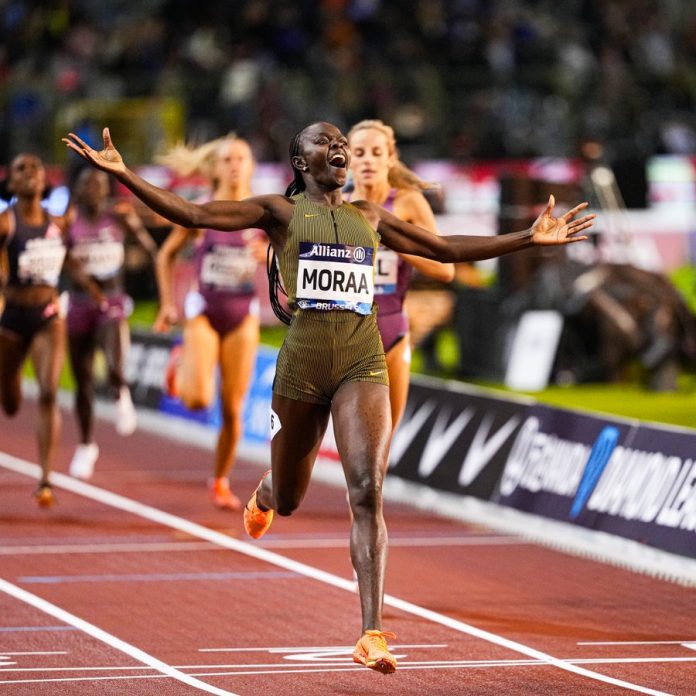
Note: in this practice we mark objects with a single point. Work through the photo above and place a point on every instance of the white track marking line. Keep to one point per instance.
(402, 668)
(104, 637)
(108, 547)
(320, 664)
(294, 669)
(320, 648)
(41, 652)
(637, 642)
(89, 679)
(120, 502)
(460, 541)
(513, 645)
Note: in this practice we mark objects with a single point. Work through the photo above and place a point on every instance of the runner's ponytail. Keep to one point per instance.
(275, 287)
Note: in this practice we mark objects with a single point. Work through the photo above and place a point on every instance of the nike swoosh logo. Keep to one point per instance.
(374, 374)
(311, 214)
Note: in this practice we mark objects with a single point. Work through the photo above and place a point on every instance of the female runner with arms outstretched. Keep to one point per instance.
(332, 361)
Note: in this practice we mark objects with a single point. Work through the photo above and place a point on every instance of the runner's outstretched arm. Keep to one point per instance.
(545, 231)
(220, 215)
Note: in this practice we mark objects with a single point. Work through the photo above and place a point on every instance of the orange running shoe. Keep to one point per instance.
(43, 495)
(222, 496)
(257, 521)
(373, 652)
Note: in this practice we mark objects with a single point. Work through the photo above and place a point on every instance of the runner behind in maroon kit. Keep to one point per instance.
(97, 236)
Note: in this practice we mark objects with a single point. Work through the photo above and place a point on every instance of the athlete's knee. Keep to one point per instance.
(195, 402)
(366, 493)
(47, 398)
(286, 506)
(231, 413)
(116, 379)
(10, 406)
(287, 503)
(84, 392)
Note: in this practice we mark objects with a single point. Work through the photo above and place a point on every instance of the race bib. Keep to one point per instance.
(335, 276)
(100, 260)
(228, 268)
(41, 260)
(386, 271)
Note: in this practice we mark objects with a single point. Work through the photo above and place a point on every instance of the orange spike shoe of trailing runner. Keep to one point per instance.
(373, 652)
(256, 520)
(43, 495)
(222, 496)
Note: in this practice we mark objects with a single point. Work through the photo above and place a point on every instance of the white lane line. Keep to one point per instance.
(636, 642)
(88, 679)
(319, 665)
(346, 668)
(460, 541)
(320, 648)
(156, 577)
(104, 637)
(244, 670)
(42, 652)
(147, 547)
(412, 542)
(120, 502)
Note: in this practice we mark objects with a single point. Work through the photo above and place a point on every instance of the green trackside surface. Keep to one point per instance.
(628, 399)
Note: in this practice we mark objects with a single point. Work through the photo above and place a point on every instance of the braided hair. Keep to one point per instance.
(297, 185)
(275, 282)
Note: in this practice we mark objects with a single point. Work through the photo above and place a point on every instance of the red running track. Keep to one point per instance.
(98, 600)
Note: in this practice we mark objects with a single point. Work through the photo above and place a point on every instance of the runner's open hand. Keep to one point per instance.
(548, 230)
(107, 159)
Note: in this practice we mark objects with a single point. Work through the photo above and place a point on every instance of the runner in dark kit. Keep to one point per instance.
(31, 322)
(332, 361)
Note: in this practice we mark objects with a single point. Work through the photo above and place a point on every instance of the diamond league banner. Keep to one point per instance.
(627, 478)
(631, 479)
(454, 437)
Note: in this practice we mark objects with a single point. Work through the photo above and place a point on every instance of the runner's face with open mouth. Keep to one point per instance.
(326, 154)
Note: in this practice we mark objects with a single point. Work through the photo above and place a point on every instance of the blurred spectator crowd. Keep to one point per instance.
(459, 79)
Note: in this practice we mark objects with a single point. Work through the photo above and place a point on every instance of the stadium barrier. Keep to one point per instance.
(623, 477)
